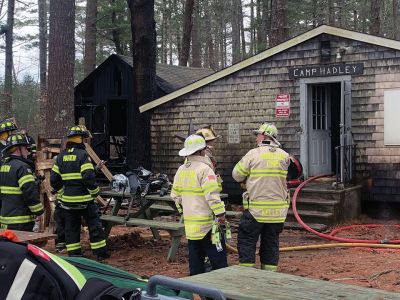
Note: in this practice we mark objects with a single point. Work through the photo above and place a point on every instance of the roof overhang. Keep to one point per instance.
(362, 37)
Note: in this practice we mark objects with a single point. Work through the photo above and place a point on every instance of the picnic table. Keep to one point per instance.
(149, 206)
(246, 283)
(36, 238)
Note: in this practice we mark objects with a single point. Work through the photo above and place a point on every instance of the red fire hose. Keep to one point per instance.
(332, 236)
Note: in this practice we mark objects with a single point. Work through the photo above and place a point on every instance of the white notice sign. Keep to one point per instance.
(234, 133)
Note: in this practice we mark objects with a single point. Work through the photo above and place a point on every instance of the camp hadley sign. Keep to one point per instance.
(326, 70)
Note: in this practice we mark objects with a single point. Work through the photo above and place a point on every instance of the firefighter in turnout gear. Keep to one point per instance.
(73, 178)
(266, 202)
(197, 195)
(19, 195)
(7, 127)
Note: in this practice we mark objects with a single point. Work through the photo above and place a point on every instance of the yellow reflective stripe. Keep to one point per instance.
(75, 246)
(179, 208)
(95, 191)
(247, 264)
(56, 169)
(87, 166)
(10, 190)
(188, 191)
(60, 191)
(98, 245)
(82, 198)
(269, 204)
(37, 207)
(218, 208)
(194, 236)
(17, 219)
(26, 179)
(268, 173)
(71, 176)
(199, 218)
(272, 268)
(211, 186)
(270, 219)
(241, 169)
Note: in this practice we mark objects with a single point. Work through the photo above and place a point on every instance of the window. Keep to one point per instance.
(391, 117)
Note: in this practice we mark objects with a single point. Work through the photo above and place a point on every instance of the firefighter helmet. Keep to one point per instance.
(7, 125)
(77, 130)
(208, 133)
(193, 143)
(15, 140)
(267, 129)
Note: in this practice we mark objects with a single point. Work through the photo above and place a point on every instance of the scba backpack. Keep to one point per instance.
(29, 273)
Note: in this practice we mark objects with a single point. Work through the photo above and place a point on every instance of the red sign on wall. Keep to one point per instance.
(282, 105)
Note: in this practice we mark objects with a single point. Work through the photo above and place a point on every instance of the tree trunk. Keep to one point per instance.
(242, 32)
(144, 72)
(235, 31)
(209, 38)
(164, 32)
(252, 28)
(60, 111)
(89, 60)
(375, 25)
(196, 43)
(187, 33)
(6, 103)
(42, 10)
(331, 13)
(115, 32)
(395, 22)
(259, 27)
(264, 25)
(279, 32)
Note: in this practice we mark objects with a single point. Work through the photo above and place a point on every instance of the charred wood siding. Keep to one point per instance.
(248, 97)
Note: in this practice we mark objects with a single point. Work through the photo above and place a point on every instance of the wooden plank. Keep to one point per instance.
(97, 159)
(246, 283)
(101, 201)
(44, 164)
(32, 237)
(166, 225)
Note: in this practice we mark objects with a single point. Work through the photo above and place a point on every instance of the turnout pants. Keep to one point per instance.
(59, 218)
(91, 214)
(249, 232)
(199, 249)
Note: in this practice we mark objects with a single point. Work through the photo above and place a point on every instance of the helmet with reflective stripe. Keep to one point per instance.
(208, 133)
(77, 130)
(16, 140)
(267, 129)
(7, 125)
(193, 143)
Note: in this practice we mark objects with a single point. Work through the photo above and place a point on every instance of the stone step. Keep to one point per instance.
(317, 204)
(312, 216)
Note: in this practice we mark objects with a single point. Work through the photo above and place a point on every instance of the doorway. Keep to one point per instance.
(117, 130)
(325, 119)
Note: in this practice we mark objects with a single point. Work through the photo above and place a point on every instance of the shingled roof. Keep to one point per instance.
(171, 78)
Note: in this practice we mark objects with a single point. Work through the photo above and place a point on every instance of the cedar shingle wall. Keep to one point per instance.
(248, 97)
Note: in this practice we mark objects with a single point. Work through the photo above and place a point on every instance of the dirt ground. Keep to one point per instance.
(134, 250)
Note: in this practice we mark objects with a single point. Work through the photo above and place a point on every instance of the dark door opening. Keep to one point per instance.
(335, 93)
(117, 130)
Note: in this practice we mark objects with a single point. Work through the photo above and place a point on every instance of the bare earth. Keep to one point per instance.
(136, 252)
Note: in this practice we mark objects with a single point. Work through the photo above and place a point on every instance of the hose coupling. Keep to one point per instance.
(385, 241)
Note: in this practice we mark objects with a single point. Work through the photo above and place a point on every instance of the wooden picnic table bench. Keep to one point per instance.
(144, 217)
(246, 283)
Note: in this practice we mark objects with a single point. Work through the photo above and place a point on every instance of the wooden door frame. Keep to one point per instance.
(304, 83)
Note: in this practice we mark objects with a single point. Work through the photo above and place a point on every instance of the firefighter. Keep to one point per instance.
(210, 136)
(7, 127)
(19, 195)
(197, 195)
(266, 202)
(73, 178)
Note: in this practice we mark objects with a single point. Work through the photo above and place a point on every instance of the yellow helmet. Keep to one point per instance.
(208, 133)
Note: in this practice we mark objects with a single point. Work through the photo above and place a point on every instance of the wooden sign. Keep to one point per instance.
(326, 70)
(282, 105)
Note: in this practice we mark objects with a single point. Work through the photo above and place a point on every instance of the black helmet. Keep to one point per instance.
(7, 125)
(77, 130)
(18, 139)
